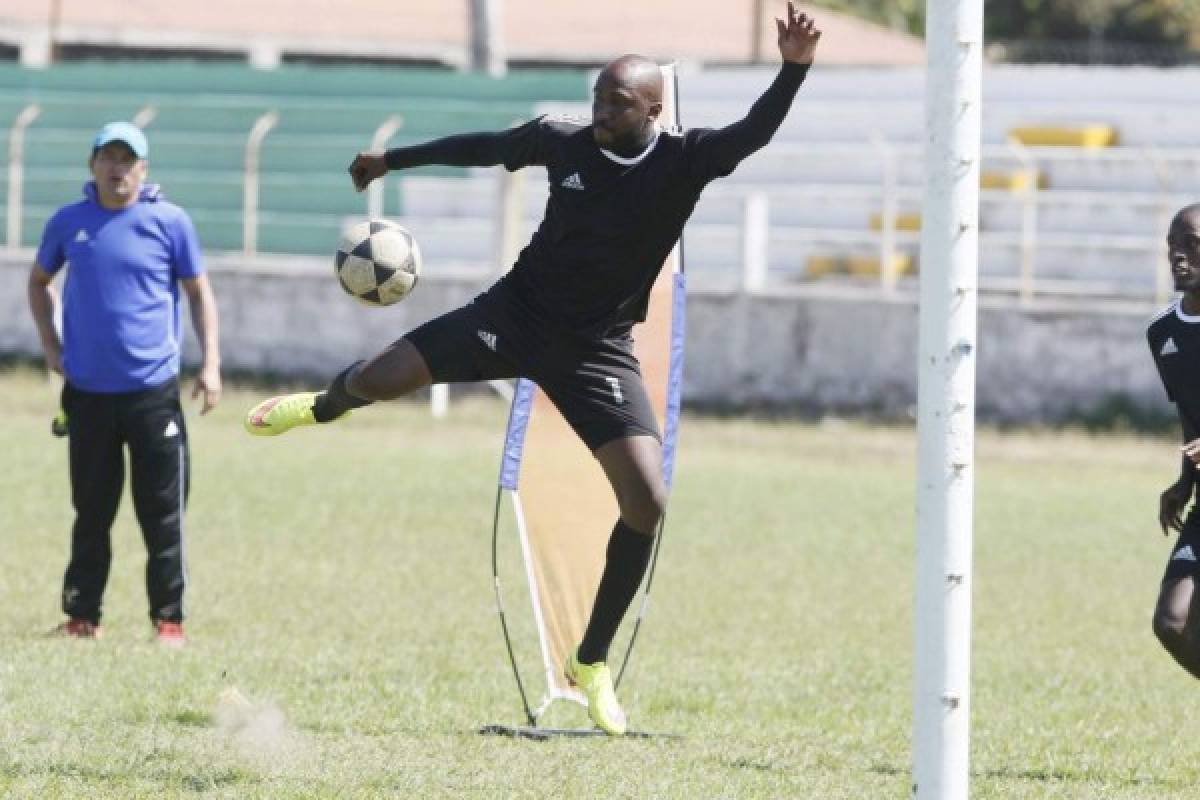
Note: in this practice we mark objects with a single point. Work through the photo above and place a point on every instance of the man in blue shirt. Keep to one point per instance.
(129, 250)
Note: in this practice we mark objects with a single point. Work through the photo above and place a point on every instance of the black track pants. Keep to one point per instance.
(150, 423)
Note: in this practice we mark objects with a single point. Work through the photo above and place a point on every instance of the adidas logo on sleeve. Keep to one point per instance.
(573, 181)
(487, 338)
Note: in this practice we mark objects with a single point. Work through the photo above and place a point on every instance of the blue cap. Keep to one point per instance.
(125, 132)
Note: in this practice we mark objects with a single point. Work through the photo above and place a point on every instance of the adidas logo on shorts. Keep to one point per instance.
(487, 338)
(1184, 554)
(572, 181)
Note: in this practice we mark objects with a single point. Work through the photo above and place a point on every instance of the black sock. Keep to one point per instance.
(625, 565)
(337, 400)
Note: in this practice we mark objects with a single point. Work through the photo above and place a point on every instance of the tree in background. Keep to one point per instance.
(1168, 22)
(900, 15)
(1164, 22)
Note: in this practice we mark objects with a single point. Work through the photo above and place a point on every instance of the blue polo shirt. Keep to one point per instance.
(121, 318)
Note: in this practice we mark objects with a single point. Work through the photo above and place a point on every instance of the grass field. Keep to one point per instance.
(340, 580)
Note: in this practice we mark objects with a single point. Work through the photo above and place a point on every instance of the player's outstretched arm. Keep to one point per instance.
(514, 148)
(722, 150)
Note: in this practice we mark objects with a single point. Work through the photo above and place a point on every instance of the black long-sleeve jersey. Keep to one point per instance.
(1174, 339)
(610, 222)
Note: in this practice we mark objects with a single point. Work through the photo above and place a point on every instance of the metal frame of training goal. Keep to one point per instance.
(556, 454)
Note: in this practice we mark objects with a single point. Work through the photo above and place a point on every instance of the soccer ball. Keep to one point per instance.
(377, 262)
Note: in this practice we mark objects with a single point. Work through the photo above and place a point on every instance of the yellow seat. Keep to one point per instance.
(1019, 180)
(820, 266)
(1091, 136)
(858, 266)
(868, 266)
(907, 221)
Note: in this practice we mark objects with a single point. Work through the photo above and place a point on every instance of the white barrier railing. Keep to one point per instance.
(262, 126)
(145, 116)
(756, 224)
(378, 141)
(16, 173)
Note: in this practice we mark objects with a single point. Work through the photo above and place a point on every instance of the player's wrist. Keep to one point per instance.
(394, 159)
(1187, 477)
(797, 69)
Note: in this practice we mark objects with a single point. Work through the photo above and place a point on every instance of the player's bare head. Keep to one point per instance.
(637, 74)
(1183, 248)
(1188, 215)
(626, 102)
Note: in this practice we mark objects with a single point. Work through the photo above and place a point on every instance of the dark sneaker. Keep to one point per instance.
(75, 628)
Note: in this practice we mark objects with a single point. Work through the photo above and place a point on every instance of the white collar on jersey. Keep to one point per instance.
(628, 162)
(1186, 318)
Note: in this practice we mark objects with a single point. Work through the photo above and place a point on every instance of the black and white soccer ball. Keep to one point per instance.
(377, 262)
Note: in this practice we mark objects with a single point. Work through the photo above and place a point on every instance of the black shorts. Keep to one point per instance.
(595, 383)
(1184, 554)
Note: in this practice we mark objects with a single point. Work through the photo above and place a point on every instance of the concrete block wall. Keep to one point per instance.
(820, 351)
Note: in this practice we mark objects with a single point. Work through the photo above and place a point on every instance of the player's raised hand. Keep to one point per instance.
(798, 36)
(365, 168)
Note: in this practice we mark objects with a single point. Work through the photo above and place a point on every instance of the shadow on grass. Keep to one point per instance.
(1004, 773)
(1035, 775)
(193, 719)
(200, 781)
(1075, 776)
(749, 763)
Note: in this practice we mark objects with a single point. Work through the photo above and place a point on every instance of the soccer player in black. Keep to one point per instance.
(621, 190)
(1174, 337)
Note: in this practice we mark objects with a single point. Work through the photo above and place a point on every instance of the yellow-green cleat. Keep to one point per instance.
(280, 414)
(595, 681)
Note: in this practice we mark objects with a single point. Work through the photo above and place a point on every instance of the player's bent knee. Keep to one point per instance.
(642, 510)
(1170, 628)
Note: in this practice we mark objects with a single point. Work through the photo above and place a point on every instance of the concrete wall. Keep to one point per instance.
(855, 352)
(821, 350)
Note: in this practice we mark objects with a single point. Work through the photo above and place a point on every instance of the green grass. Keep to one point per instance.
(340, 579)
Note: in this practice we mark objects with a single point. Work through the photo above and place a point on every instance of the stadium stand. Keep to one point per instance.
(841, 183)
(1073, 218)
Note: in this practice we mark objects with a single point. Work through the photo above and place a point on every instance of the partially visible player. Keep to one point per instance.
(621, 190)
(1174, 337)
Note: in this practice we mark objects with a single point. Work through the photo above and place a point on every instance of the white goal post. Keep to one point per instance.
(946, 399)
